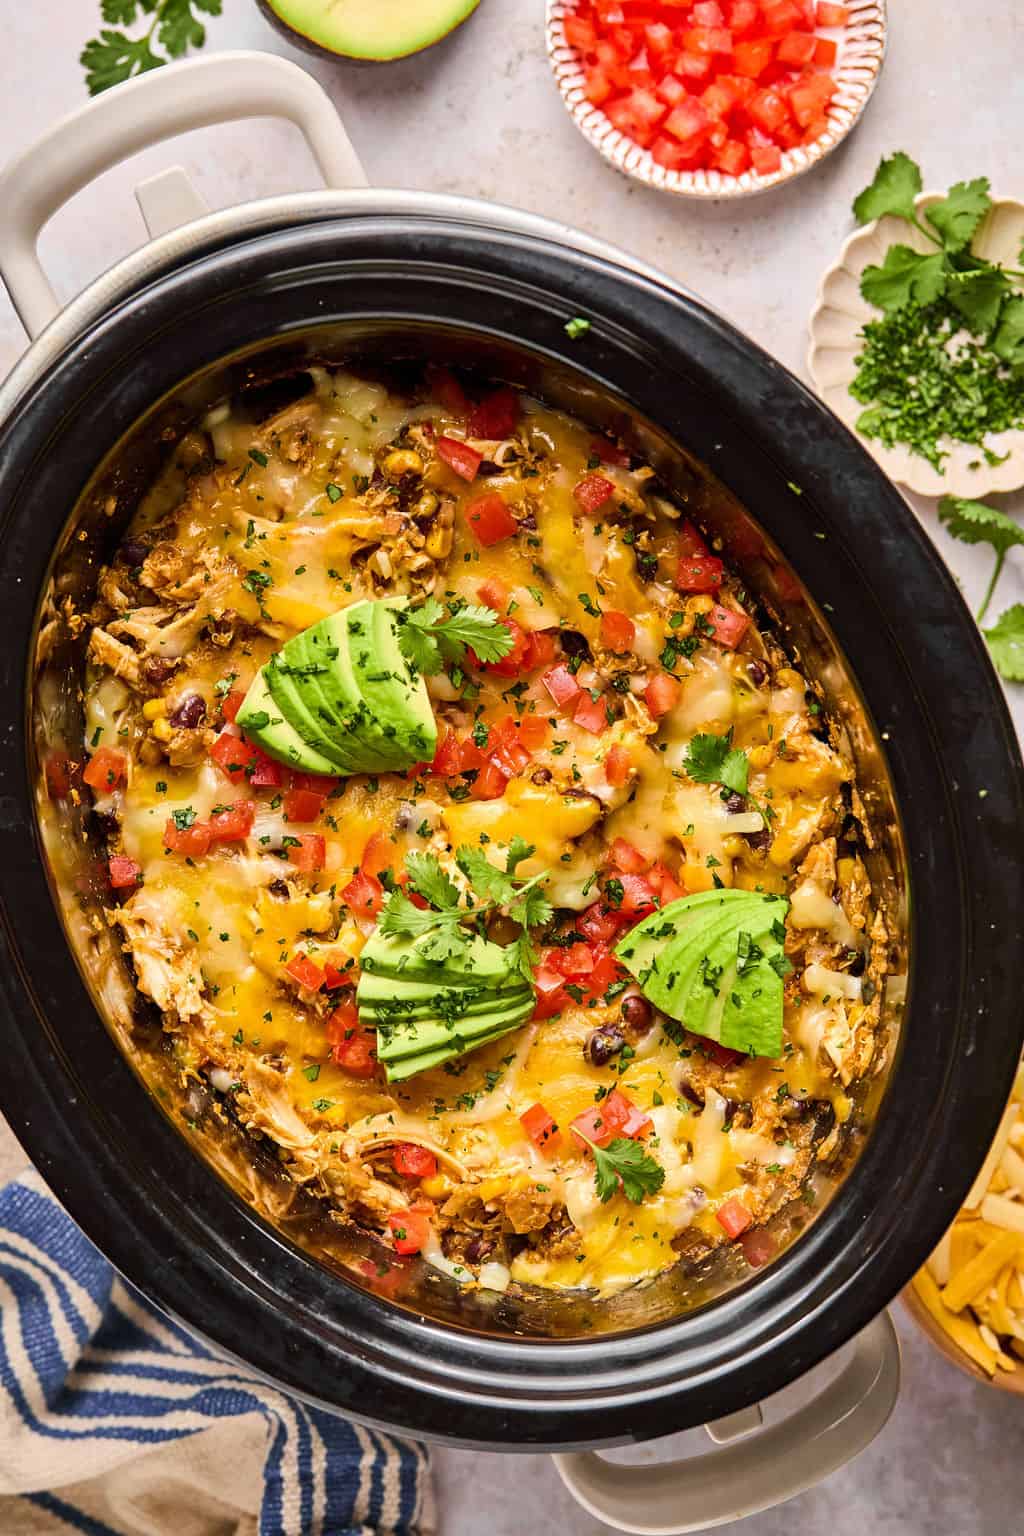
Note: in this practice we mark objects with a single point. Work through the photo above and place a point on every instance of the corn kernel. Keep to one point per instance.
(785, 677)
(154, 708)
(436, 1185)
(163, 729)
(402, 461)
(761, 757)
(701, 604)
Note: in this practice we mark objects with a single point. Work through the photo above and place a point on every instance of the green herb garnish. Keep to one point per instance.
(432, 639)
(114, 56)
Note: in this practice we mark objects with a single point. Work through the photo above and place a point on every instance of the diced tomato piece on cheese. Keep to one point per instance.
(353, 1048)
(489, 518)
(446, 758)
(463, 460)
(617, 631)
(302, 805)
(540, 1126)
(512, 663)
(235, 756)
(797, 49)
(831, 15)
(410, 1231)
(665, 884)
(552, 997)
(412, 1161)
(618, 765)
(591, 1126)
(721, 1055)
(496, 415)
(661, 694)
(489, 783)
(123, 872)
(752, 58)
(266, 774)
(191, 842)
(766, 159)
(626, 1118)
(308, 852)
(306, 972)
(628, 858)
(364, 895)
(728, 626)
(591, 714)
(600, 923)
(534, 732)
(733, 1217)
(493, 593)
(231, 703)
(106, 769)
(561, 685)
(704, 573)
(574, 961)
(579, 33)
(637, 896)
(540, 650)
(232, 823)
(825, 52)
(333, 977)
(378, 855)
(593, 491)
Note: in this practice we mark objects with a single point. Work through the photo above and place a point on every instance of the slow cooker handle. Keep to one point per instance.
(763, 1470)
(196, 93)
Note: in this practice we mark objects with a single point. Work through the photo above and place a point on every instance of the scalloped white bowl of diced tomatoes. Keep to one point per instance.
(715, 98)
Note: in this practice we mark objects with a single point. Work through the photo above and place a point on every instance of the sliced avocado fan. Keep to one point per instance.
(340, 698)
(428, 1012)
(716, 962)
(369, 29)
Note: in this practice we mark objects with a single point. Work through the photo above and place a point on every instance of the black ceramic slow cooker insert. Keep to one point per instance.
(857, 591)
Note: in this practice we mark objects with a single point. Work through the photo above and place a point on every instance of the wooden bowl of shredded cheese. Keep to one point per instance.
(969, 1297)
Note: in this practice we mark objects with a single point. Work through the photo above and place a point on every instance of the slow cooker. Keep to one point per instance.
(229, 302)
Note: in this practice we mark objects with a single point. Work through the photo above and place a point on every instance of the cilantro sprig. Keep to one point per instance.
(972, 522)
(116, 55)
(433, 638)
(1006, 642)
(714, 760)
(624, 1165)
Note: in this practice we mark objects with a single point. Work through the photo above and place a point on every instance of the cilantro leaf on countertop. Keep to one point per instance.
(897, 182)
(960, 212)
(115, 56)
(714, 760)
(972, 522)
(432, 639)
(1006, 642)
(624, 1165)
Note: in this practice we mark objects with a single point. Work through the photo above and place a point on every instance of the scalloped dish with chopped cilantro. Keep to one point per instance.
(479, 844)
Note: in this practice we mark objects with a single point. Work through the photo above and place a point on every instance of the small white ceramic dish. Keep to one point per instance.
(861, 52)
(835, 328)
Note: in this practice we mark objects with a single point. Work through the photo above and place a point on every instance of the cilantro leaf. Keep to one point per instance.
(1008, 341)
(518, 850)
(114, 57)
(119, 13)
(713, 760)
(429, 880)
(624, 1164)
(1006, 642)
(436, 935)
(960, 212)
(531, 907)
(897, 182)
(972, 522)
(430, 639)
(978, 296)
(905, 277)
(489, 884)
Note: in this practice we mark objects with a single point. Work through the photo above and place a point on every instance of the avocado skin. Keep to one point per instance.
(310, 44)
(278, 738)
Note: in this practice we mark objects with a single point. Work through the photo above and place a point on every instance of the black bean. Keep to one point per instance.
(189, 713)
(759, 841)
(735, 802)
(541, 776)
(157, 669)
(574, 644)
(856, 965)
(823, 1111)
(487, 467)
(602, 1044)
(133, 552)
(757, 670)
(279, 888)
(637, 1014)
(529, 522)
(691, 1093)
(106, 824)
(478, 1249)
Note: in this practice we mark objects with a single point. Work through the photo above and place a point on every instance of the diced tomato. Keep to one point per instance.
(728, 626)
(797, 49)
(733, 158)
(231, 703)
(364, 894)
(540, 650)
(808, 98)
(608, 452)
(489, 518)
(123, 872)
(721, 1055)
(463, 460)
(579, 33)
(661, 694)
(781, 16)
(412, 1161)
(825, 52)
(591, 1125)
(506, 748)
(627, 858)
(410, 1231)
(489, 783)
(768, 110)
(333, 977)
(733, 1217)
(574, 961)
(302, 805)
(191, 842)
(707, 13)
(758, 1247)
(637, 896)
(690, 543)
(596, 86)
(58, 770)
(447, 390)
(744, 16)
(266, 774)
(617, 631)
(534, 732)
(591, 714)
(688, 121)
(658, 39)
(234, 756)
(618, 765)
(694, 69)
(551, 995)
(765, 158)
(493, 594)
(672, 91)
(320, 783)
(561, 685)
(513, 662)
(600, 924)
(831, 15)
(752, 58)
(106, 770)
(308, 852)
(615, 1116)
(675, 156)
(593, 491)
(232, 823)
(665, 884)
(303, 970)
(816, 129)
(719, 98)
(541, 1127)
(446, 758)
(703, 574)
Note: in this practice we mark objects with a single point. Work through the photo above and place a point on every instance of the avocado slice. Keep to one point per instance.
(289, 687)
(703, 1004)
(330, 694)
(410, 1066)
(645, 949)
(479, 963)
(424, 1035)
(393, 692)
(367, 29)
(705, 947)
(264, 724)
(387, 998)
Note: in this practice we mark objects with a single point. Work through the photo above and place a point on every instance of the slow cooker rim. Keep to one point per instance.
(703, 319)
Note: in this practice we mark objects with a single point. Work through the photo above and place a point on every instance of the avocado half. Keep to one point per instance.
(375, 30)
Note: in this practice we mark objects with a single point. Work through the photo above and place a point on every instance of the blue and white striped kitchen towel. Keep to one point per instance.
(116, 1422)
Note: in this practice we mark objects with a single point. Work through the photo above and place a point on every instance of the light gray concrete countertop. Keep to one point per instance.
(480, 116)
